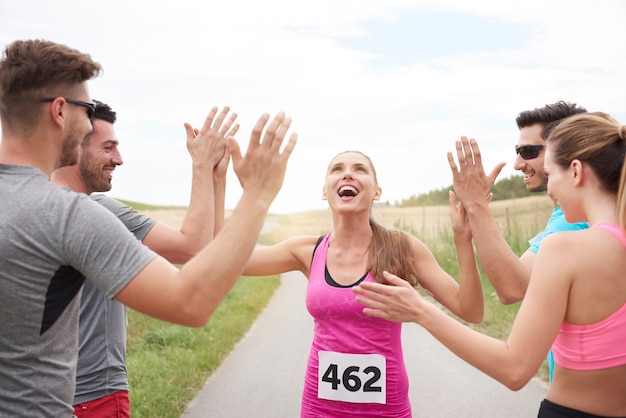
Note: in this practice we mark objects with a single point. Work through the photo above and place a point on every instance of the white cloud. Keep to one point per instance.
(168, 63)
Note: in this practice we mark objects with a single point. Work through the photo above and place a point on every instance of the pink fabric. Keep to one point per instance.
(340, 326)
(594, 346)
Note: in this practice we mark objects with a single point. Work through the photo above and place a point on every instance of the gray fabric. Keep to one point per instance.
(49, 239)
(101, 368)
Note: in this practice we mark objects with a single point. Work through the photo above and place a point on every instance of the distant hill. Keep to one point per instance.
(509, 188)
(505, 189)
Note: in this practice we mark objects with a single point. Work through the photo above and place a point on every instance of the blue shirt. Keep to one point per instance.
(556, 223)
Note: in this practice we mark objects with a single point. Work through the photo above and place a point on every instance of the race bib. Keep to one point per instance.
(357, 378)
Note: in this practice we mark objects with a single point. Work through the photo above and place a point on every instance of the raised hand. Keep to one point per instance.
(471, 184)
(458, 217)
(207, 146)
(262, 170)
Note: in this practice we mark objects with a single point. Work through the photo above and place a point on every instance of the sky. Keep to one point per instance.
(400, 80)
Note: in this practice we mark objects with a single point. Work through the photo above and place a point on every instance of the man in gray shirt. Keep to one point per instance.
(51, 238)
(101, 377)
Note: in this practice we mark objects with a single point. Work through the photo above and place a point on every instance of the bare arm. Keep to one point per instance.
(207, 149)
(189, 296)
(465, 298)
(294, 253)
(219, 187)
(507, 273)
(512, 362)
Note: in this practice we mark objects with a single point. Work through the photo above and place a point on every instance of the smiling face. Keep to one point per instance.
(562, 187)
(534, 176)
(99, 156)
(351, 180)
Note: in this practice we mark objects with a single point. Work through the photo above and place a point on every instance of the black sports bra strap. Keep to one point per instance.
(317, 244)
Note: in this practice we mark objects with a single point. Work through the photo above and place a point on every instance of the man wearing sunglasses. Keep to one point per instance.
(101, 378)
(51, 238)
(509, 274)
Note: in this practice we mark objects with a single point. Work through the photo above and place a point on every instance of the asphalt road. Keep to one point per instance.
(263, 376)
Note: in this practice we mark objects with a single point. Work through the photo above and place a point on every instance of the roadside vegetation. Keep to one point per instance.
(169, 364)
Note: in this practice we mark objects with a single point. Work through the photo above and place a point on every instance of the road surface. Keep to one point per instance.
(263, 376)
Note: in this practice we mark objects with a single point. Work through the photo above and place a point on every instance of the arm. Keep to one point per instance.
(465, 298)
(206, 148)
(294, 253)
(512, 362)
(507, 273)
(219, 187)
(189, 296)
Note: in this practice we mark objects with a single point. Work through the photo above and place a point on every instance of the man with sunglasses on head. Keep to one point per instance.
(508, 273)
(101, 378)
(52, 238)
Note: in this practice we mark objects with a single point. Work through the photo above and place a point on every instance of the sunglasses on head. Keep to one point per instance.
(528, 152)
(91, 107)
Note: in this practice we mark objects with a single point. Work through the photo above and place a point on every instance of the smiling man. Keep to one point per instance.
(52, 239)
(508, 273)
(101, 378)
(98, 156)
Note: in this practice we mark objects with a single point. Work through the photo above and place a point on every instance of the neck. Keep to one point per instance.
(24, 156)
(352, 230)
(35, 150)
(68, 177)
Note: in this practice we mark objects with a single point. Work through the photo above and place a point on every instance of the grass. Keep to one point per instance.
(168, 364)
(518, 220)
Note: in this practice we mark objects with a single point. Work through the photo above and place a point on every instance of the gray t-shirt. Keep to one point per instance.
(50, 239)
(101, 368)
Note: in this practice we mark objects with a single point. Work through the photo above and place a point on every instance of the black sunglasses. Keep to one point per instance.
(529, 152)
(91, 107)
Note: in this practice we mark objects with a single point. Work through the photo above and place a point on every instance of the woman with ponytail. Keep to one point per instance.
(355, 365)
(576, 298)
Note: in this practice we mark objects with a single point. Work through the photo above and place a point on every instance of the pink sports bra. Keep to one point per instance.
(594, 346)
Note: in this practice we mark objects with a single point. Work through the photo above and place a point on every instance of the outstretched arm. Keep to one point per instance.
(512, 362)
(294, 253)
(189, 296)
(465, 297)
(219, 186)
(207, 149)
(507, 273)
(470, 290)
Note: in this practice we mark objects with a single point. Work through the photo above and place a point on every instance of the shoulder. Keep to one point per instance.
(558, 223)
(111, 204)
(301, 241)
(576, 242)
(105, 200)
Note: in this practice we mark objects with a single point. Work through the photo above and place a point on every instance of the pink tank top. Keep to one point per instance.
(594, 346)
(355, 365)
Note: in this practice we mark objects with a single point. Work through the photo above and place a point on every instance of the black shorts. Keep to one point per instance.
(551, 410)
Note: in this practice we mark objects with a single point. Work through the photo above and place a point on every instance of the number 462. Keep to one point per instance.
(351, 380)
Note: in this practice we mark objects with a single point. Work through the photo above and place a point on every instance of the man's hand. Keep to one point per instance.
(262, 170)
(207, 146)
(471, 184)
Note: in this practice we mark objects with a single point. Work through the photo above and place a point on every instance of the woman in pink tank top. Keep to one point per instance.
(576, 299)
(355, 365)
